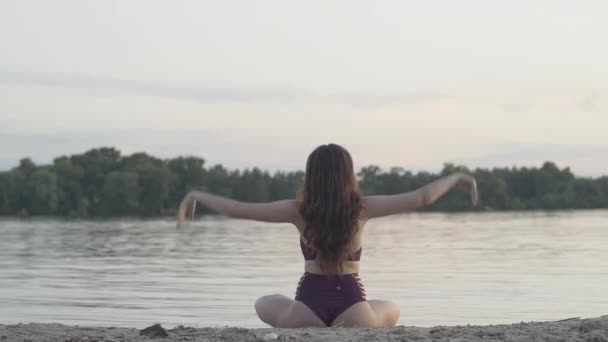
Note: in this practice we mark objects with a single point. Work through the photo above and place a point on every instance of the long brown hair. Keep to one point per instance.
(330, 204)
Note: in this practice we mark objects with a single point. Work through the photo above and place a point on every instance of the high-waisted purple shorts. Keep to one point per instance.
(328, 296)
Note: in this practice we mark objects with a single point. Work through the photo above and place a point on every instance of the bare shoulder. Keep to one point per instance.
(290, 207)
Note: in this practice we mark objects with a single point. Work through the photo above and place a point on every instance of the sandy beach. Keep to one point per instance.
(574, 329)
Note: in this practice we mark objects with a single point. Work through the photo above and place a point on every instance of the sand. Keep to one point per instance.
(576, 329)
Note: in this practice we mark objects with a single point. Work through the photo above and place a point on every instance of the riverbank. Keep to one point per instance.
(575, 329)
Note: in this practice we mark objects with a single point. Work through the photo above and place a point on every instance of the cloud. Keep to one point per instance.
(203, 93)
(522, 101)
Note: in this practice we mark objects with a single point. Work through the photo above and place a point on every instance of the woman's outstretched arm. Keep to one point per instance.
(279, 211)
(377, 206)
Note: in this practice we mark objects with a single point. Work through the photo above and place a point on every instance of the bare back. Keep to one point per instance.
(348, 267)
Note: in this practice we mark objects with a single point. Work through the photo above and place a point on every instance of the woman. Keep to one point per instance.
(330, 214)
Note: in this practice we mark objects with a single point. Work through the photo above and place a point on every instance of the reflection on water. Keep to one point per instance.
(441, 269)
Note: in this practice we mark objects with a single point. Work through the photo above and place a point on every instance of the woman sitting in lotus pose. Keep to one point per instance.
(330, 214)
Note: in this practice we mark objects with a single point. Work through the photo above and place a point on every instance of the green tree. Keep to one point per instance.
(71, 198)
(96, 164)
(120, 194)
(368, 179)
(493, 192)
(221, 181)
(187, 173)
(5, 191)
(153, 177)
(40, 192)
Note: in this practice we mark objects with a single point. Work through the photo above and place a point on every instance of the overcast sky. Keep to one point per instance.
(261, 83)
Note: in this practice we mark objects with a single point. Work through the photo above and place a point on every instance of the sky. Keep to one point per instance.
(261, 83)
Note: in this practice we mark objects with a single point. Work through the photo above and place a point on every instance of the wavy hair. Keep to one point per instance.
(330, 204)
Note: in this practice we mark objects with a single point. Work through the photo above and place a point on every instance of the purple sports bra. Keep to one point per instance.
(310, 254)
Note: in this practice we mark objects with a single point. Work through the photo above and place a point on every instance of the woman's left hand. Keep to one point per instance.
(186, 209)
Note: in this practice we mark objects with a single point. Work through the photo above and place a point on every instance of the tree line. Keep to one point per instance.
(103, 183)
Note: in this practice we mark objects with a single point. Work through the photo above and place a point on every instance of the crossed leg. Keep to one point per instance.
(371, 313)
(280, 311)
(283, 312)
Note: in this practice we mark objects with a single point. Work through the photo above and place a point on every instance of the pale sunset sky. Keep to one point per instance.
(261, 83)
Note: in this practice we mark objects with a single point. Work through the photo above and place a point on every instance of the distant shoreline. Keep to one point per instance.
(575, 329)
(102, 183)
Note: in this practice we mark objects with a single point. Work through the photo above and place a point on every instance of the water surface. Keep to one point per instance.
(440, 268)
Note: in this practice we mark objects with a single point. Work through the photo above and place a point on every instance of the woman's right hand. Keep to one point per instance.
(468, 184)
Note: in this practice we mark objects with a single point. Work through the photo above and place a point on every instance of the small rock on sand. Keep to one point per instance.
(588, 325)
(154, 331)
(270, 337)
